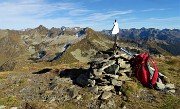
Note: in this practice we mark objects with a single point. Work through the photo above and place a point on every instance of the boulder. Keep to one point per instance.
(93, 89)
(107, 64)
(113, 69)
(106, 88)
(115, 82)
(170, 86)
(106, 95)
(97, 73)
(92, 83)
(171, 91)
(112, 76)
(2, 107)
(73, 93)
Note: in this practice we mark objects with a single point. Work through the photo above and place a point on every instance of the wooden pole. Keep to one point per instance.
(115, 43)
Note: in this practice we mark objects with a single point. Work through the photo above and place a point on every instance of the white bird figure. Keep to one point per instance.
(115, 29)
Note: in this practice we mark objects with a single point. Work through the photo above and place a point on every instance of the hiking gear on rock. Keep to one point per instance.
(126, 52)
(142, 70)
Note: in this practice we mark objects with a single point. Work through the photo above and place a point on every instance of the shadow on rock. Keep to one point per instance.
(78, 76)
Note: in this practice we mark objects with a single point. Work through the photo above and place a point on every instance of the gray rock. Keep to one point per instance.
(93, 89)
(116, 82)
(2, 107)
(170, 86)
(125, 98)
(103, 56)
(107, 64)
(119, 93)
(14, 108)
(78, 97)
(126, 70)
(73, 93)
(106, 95)
(82, 79)
(121, 61)
(96, 96)
(112, 76)
(123, 64)
(106, 88)
(171, 91)
(117, 55)
(97, 73)
(113, 69)
(52, 100)
(123, 74)
(92, 83)
(97, 59)
(125, 56)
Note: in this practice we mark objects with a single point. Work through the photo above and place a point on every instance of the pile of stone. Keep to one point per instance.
(108, 72)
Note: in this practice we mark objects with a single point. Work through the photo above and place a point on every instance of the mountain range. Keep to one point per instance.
(74, 67)
(79, 44)
(167, 39)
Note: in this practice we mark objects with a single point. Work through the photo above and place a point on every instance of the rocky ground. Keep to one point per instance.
(103, 83)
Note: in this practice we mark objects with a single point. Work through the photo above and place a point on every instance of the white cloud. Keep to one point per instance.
(20, 14)
(154, 9)
(29, 13)
(107, 15)
(38, 8)
(169, 19)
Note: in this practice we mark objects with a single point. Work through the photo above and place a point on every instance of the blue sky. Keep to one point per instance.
(97, 14)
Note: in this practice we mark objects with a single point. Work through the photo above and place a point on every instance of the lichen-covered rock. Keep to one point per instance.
(170, 86)
(115, 82)
(106, 88)
(106, 95)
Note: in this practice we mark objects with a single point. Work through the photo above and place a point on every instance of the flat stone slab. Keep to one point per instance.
(171, 91)
(106, 95)
(170, 86)
(106, 88)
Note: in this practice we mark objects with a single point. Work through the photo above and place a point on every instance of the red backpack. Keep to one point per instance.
(143, 71)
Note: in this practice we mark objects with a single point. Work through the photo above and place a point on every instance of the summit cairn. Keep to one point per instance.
(108, 71)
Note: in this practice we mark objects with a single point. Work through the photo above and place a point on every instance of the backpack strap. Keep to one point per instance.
(155, 75)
